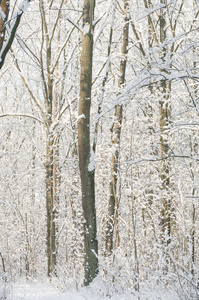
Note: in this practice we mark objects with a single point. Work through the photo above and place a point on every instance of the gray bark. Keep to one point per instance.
(87, 174)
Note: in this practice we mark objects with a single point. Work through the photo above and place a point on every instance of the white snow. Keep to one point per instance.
(46, 291)
(86, 28)
(82, 116)
(2, 14)
(21, 9)
(41, 291)
(23, 6)
(91, 165)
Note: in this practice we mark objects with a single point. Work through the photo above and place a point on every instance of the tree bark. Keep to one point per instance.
(50, 206)
(164, 120)
(112, 222)
(50, 137)
(86, 167)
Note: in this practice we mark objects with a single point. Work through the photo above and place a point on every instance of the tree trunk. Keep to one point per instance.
(86, 164)
(112, 222)
(164, 120)
(48, 83)
(50, 207)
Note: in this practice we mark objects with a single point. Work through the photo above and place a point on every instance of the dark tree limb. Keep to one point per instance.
(12, 30)
(4, 7)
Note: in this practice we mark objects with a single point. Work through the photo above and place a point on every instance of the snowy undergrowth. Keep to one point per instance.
(5, 286)
(98, 290)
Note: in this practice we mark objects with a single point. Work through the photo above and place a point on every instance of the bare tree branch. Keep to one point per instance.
(22, 115)
(14, 25)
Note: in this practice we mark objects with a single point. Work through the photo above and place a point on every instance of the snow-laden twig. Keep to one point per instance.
(2, 14)
(75, 24)
(22, 115)
(153, 158)
(143, 80)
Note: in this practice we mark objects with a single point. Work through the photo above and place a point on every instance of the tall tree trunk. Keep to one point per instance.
(50, 206)
(49, 166)
(194, 151)
(86, 163)
(164, 120)
(112, 222)
(56, 138)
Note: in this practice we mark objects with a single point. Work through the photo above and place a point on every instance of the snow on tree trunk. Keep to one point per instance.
(86, 165)
(164, 121)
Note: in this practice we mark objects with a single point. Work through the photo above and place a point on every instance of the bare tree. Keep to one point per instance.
(50, 111)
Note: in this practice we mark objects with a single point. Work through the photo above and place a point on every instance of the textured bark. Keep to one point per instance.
(87, 174)
(193, 233)
(50, 219)
(50, 204)
(50, 175)
(50, 138)
(56, 138)
(164, 169)
(194, 151)
(164, 120)
(112, 222)
(50, 207)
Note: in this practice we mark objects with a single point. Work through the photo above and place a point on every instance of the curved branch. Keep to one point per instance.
(22, 115)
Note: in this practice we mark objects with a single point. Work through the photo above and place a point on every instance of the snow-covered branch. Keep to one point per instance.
(22, 115)
(13, 27)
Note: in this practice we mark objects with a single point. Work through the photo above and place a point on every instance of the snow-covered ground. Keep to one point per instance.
(41, 291)
(47, 291)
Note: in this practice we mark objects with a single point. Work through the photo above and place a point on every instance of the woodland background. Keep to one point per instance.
(141, 148)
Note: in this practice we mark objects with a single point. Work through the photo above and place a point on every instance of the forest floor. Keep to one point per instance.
(47, 291)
